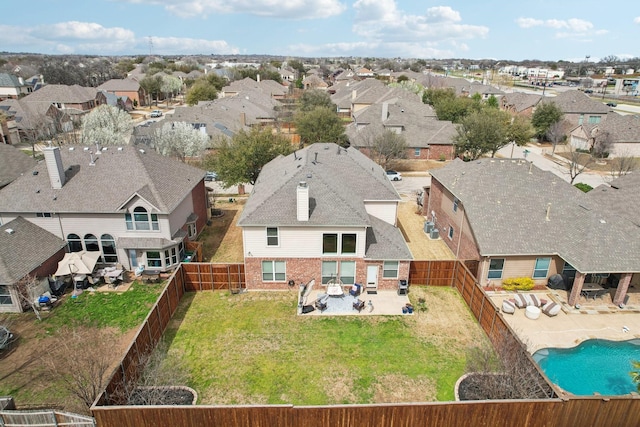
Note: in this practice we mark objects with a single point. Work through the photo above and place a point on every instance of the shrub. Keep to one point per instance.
(518, 284)
(584, 187)
(442, 157)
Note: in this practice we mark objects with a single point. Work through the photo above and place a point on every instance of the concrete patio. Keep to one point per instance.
(385, 303)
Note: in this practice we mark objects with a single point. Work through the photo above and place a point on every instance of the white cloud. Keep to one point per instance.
(82, 31)
(573, 25)
(529, 22)
(377, 49)
(636, 20)
(382, 20)
(177, 45)
(296, 9)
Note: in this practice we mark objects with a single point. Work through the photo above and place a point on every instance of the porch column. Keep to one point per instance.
(577, 288)
(623, 286)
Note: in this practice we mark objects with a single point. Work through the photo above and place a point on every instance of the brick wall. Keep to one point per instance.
(431, 153)
(199, 197)
(50, 266)
(303, 270)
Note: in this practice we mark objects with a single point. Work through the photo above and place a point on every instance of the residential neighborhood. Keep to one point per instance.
(399, 214)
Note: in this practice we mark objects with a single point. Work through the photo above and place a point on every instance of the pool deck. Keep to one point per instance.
(593, 319)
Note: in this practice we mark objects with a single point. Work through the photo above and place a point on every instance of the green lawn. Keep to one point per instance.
(253, 349)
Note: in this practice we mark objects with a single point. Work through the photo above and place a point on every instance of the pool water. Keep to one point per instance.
(594, 366)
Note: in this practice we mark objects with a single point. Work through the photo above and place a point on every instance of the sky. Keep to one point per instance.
(472, 29)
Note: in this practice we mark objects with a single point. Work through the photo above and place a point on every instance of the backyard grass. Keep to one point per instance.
(222, 239)
(252, 348)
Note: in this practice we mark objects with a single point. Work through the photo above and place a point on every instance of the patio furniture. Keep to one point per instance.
(355, 290)
(551, 309)
(591, 290)
(334, 288)
(358, 305)
(321, 302)
(508, 306)
(532, 312)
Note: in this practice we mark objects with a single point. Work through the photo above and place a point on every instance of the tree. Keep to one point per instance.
(106, 125)
(492, 102)
(201, 91)
(578, 163)
(544, 117)
(180, 139)
(455, 109)
(555, 134)
(239, 160)
(622, 165)
(298, 66)
(314, 98)
(481, 132)
(321, 124)
(170, 86)
(432, 96)
(602, 144)
(388, 146)
(152, 86)
(520, 131)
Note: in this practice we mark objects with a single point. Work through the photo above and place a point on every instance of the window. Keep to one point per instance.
(129, 220)
(594, 120)
(495, 268)
(141, 218)
(109, 248)
(542, 268)
(348, 244)
(348, 272)
(455, 204)
(329, 271)
(174, 256)
(5, 295)
(416, 152)
(91, 243)
(43, 215)
(390, 269)
(272, 236)
(75, 244)
(167, 258)
(450, 232)
(154, 222)
(153, 259)
(274, 271)
(191, 230)
(581, 119)
(329, 243)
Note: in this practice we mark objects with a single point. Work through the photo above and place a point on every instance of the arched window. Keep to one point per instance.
(91, 243)
(75, 244)
(141, 218)
(109, 248)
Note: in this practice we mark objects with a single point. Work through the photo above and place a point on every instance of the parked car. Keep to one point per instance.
(211, 176)
(588, 91)
(156, 113)
(611, 104)
(394, 176)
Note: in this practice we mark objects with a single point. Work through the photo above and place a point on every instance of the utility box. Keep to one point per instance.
(428, 226)
(403, 287)
(435, 234)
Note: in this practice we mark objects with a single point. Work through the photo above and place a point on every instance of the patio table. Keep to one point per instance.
(591, 290)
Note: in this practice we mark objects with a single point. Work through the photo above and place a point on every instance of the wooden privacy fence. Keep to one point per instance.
(584, 410)
(44, 419)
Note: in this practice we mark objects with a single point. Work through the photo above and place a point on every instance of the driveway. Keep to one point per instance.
(412, 182)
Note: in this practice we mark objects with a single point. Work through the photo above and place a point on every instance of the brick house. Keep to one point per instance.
(518, 220)
(134, 206)
(125, 88)
(323, 212)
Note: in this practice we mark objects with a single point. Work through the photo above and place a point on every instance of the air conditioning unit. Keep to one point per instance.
(428, 226)
(435, 234)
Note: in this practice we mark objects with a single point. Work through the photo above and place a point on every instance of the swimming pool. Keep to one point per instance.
(593, 366)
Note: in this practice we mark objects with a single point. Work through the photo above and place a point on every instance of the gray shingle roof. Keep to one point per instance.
(576, 102)
(9, 80)
(506, 204)
(621, 197)
(339, 183)
(385, 242)
(103, 187)
(13, 163)
(25, 249)
(126, 85)
(75, 94)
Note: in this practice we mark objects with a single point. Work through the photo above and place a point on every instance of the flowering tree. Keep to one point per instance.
(180, 139)
(106, 125)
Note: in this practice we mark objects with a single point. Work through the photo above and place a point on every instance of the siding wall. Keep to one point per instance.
(383, 210)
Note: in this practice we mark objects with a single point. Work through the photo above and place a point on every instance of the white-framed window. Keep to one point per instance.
(167, 257)
(455, 204)
(348, 272)
(329, 271)
(272, 236)
(109, 248)
(496, 265)
(174, 256)
(330, 243)
(91, 243)
(75, 244)
(390, 269)
(274, 271)
(153, 259)
(541, 268)
(141, 220)
(450, 232)
(5, 295)
(192, 230)
(348, 243)
(416, 151)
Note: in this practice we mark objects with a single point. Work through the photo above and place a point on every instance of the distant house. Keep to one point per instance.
(427, 137)
(30, 121)
(134, 206)
(125, 88)
(12, 86)
(79, 98)
(123, 102)
(578, 108)
(323, 213)
(518, 220)
(314, 82)
(519, 103)
(25, 250)
(268, 87)
(621, 133)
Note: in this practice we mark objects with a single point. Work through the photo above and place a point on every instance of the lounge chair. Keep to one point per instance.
(508, 306)
(551, 309)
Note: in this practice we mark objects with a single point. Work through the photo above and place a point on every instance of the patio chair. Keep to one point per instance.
(358, 305)
(508, 306)
(321, 302)
(551, 309)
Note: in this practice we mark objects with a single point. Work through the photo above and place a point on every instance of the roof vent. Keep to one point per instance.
(119, 148)
(86, 148)
(141, 150)
(35, 173)
(10, 230)
(72, 148)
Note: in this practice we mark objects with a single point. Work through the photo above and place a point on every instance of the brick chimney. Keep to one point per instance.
(302, 201)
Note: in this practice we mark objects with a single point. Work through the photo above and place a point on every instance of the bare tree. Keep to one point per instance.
(578, 163)
(602, 144)
(555, 134)
(29, 289)
(83, 368)
(622, 165)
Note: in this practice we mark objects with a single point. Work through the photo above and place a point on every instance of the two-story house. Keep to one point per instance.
(323, 212)
(133, 206)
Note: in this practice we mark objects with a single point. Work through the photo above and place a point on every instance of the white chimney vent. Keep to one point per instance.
(10, 230)
(53, 160)
(302, 201)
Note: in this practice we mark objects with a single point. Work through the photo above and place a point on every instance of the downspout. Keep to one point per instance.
(461, 230)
